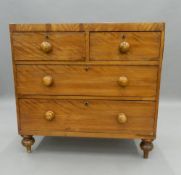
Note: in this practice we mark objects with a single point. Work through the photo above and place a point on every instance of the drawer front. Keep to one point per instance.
(86, 116)
(65, 46)
(81, 80)
(125, 45)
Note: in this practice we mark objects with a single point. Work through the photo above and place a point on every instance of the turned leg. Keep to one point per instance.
(27, 142)
(146, 145)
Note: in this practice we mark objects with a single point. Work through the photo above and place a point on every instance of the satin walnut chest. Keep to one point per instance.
(88, 80)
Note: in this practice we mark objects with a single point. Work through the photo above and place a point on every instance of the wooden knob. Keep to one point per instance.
(122, 118)
(123, 81)
(49, 115)
(124, 47)
(46, 46)
(47, 80)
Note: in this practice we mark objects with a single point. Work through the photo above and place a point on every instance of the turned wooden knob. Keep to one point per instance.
(46, 46)
(124, 47)
(49, 115)
(123, 81)
(47, 80)
(122, 118)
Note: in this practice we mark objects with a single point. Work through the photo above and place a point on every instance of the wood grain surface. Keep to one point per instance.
(96, 81)
(143, 45)
(86, 115)
(85, 64)
(87, 27)
(66, 46)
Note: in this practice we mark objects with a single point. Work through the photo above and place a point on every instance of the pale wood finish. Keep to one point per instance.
(87, 27)
(112, 135)
(159, 79)
(66, 46)
(96, 81)
(86, 63)
(89, 62)
(65, 97)
(106, 45)
(88, 116)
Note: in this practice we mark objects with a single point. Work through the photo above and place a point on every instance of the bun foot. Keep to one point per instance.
(146, 146)
(27, 142)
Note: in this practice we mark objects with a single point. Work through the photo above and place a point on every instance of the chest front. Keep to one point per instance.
(87, 80)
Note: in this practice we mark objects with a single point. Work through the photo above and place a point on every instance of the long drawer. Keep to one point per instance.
(86, 116)
(131, 81)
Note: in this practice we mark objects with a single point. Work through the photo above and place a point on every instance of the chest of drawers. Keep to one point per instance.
(88, 80)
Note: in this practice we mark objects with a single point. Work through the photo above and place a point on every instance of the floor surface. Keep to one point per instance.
(75, 156)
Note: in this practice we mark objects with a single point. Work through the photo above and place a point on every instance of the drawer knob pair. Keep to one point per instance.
(46, 46)
(122, 118)
(47, 80)
(124, 47)
(123, 81)
(49, 115)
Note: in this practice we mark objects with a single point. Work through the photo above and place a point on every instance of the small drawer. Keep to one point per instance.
(87, 116)
(116, 46)
(121, 81)
(63, 46)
